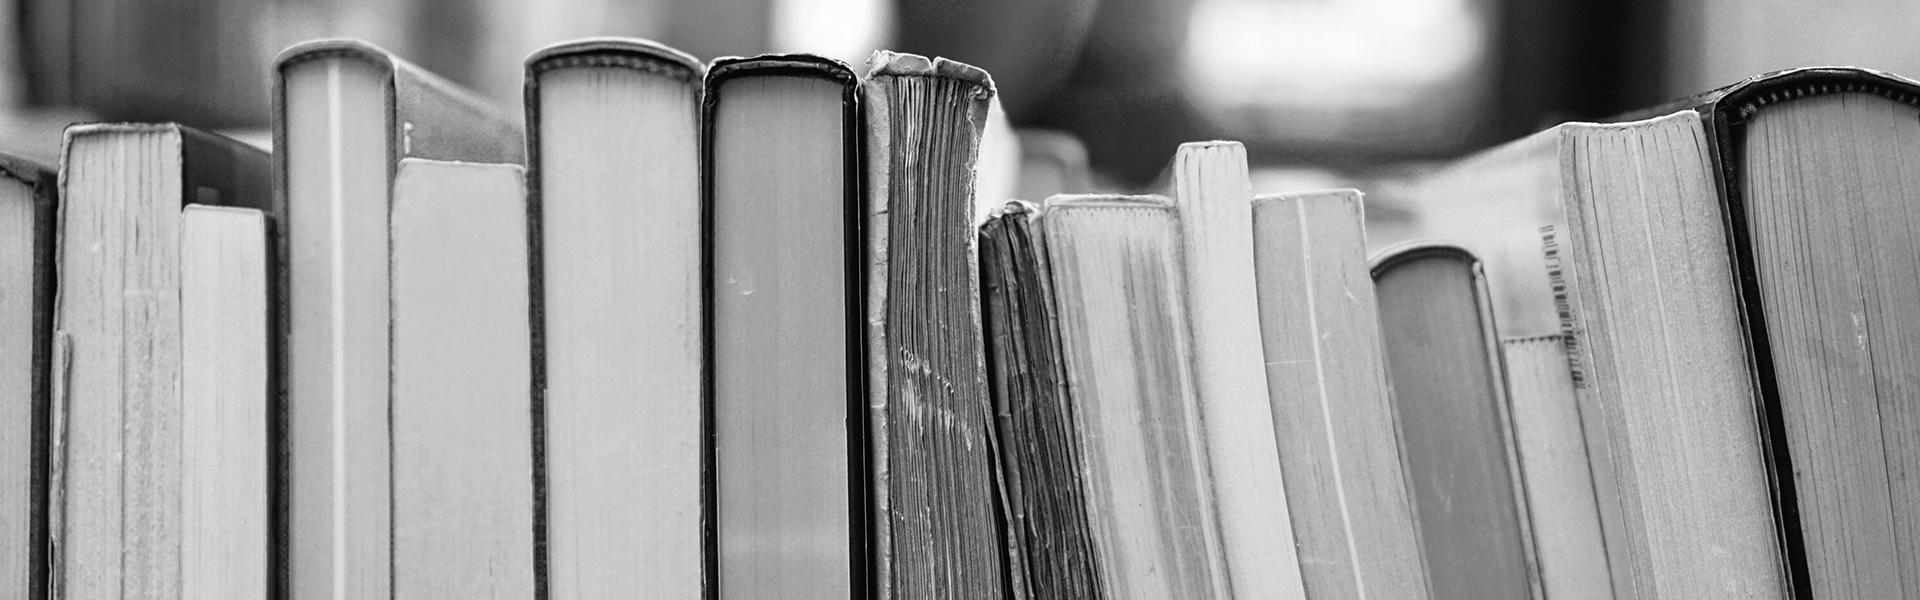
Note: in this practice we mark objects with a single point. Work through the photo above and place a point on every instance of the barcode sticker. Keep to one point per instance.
(1562, 304)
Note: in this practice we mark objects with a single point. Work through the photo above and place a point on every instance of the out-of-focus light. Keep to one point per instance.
(848, 30)
(1322, 68)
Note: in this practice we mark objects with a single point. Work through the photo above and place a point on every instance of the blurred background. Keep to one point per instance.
(1323, 92)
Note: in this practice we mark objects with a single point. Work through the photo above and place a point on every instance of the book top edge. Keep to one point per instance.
(184, 132)
(1059, 201)
(1398, 254)
(635, 53)
(1013, 209)
(1349, 193)
(395, 68)
(887, 63)
(1204, 145)
(1741, 99)
(88, 129)
(337, 47)
(238, 211)
(416, 162)
(804, 65)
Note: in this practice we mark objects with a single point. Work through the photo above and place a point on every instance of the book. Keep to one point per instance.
(789, 476)
(1121, 291)
(935, 522)
(1455, 422)
(225, 398)
(1041, 456)
(613, 190)
(1215, 200)
(1347, 488)
(1551, 430)
(1811, 168)
(345, 113)
(462, 433)
(119, 403)
(29, 195)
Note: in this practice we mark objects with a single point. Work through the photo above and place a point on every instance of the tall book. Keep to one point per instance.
(345, 114)
(226, 394)
(613, 189)
(462, 438)
(1215, 198)
(1636, 275)
(787, 401)
(1041, 453)
(1455, 424)
(1326, 373)
(120, 525)
(28, 203)
(1814, 175)
(935, 527)
(1151, 499)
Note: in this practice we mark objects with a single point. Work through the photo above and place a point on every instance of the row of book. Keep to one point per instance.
(766, 327)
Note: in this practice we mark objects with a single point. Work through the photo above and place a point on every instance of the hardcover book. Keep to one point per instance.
(613, 198)
(345, 113)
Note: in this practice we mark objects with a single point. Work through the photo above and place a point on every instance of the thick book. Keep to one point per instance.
(462, 434)
(1042, 457)
(613, 195)
(1215, 201)
(119, 528)
(1347, 488)
(226, 394)
(786, 366)
(1151, 490)
(345, 114)
(29, 195)
(1813, 174)
(936, 530)
(1455, 424)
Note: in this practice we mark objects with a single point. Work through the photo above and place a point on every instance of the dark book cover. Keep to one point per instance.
(46, 192)
(718, 73)
(1725, 113)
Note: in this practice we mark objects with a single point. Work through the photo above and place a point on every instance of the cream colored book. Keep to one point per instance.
(1347, 489)
(226, 511)
(614, 182)
(462, 358)
(1151, 496)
